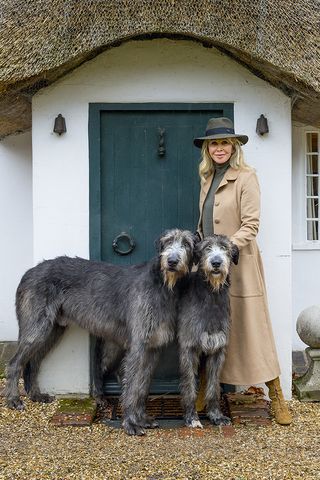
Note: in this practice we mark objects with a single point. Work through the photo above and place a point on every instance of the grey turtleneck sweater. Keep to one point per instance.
(207, 212)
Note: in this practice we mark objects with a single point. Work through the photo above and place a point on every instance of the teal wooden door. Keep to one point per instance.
(144, 180)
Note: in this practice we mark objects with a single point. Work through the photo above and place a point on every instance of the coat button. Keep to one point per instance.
(217, 203)
(216, 220)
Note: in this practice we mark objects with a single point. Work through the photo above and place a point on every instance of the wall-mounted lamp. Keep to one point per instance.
(59, 125)
(262, 125)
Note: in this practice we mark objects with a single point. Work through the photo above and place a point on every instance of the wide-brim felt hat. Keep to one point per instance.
(221, 127)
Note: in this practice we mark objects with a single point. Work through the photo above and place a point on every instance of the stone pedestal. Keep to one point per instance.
(308, 328)
(307, 387)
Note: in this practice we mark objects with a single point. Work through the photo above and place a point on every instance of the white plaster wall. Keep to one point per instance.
(305, 255)
(159, 71)
(16, 225)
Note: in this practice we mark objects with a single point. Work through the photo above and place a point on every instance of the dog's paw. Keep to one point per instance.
(15, 404)
(217, 418)
(41, 398)
(193, 423)
(220, 420)
(150, 422)
(132, 428)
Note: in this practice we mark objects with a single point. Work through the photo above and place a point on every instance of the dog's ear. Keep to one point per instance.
(158, 245)
(196, 238)
(234, 253)
(197, 252)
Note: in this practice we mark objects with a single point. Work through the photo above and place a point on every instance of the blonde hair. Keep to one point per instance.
(206, 167)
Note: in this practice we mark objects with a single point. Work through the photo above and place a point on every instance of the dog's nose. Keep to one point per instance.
(173, 262)
(216, 262)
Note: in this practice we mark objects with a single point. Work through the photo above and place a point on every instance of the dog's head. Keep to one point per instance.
(176, 253)
(214, 256)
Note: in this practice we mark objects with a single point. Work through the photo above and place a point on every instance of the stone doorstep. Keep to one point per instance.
(248, 409)
(72, 420)
(74, 412)
(253, 422)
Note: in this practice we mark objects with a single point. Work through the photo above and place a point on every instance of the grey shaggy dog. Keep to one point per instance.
(134, 307)
(203, 325)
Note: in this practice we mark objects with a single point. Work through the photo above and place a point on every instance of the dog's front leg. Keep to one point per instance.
(213, 367)
(189, 362)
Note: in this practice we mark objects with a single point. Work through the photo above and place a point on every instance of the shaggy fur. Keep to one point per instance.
(134, 307)
(203, 324)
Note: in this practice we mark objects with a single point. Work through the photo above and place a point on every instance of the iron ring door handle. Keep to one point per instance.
(123, 236)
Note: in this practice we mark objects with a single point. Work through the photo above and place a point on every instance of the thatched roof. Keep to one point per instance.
(42, 40)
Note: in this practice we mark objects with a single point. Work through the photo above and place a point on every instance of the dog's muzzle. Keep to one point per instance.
(216, 263)
(172, 261)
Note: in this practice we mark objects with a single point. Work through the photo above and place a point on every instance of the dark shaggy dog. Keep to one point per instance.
(135, 307)
(203, 324)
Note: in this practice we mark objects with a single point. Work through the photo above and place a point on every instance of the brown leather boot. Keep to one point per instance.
(278, 404)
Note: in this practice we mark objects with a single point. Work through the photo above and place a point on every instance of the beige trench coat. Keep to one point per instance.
(251, 355)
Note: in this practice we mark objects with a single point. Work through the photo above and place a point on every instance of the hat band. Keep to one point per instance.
(215, 131)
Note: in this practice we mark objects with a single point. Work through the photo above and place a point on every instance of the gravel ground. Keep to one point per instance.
(31, 448)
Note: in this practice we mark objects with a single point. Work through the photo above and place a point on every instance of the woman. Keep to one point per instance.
(230, 205)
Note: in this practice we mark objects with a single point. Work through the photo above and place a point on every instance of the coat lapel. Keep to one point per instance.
(206, 186)
(230, 175)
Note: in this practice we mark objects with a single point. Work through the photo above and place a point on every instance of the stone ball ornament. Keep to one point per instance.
(308, 326)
